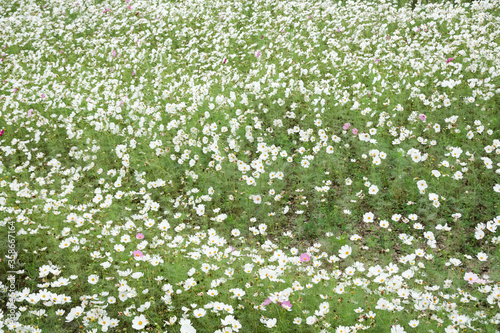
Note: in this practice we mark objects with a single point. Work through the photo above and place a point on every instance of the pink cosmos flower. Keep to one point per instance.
(354, 131)
(60, 52)
(224, 61)
(267, 302)
(113, 53)
(304, 257)
(43, 96)
(30, 112)
(138, 254)
(286, 305)
(1, 132)
(139, 236)
(129, 7)
(133, 72)
(422, 117)
(346, 126)
(471, 277)
(258, 54)
(449, 59)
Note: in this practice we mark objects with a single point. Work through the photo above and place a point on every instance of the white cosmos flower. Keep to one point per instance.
(373, 189)
(482, 256)
(397, 329)
(198, 313)
(93, 279)
(137, 275)
(345, 251)
(368, 217)
(139, 322)
(384, 224)
(270, 323)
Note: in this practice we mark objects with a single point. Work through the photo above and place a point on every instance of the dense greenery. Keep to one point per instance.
(249, 166)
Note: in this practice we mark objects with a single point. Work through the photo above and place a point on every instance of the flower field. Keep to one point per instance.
(249, 166)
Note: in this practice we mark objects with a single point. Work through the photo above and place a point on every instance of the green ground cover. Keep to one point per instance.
(249, 166)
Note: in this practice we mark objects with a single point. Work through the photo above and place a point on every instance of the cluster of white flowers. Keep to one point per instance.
(140, 137)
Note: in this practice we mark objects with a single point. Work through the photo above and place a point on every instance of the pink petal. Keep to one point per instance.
(267, 302)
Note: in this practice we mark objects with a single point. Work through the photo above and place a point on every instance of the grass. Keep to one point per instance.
(180, 150)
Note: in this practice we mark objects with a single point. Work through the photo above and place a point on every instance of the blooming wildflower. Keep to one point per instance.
(397, 329)
(384, 224)
(139, 322)
(93, 279)
(345, 251)
(286, 305)
(139, 236)
(305, 257)
(346, 126)
(368, 217)
(373, 189)
(270, 323)
(471, 277)
(125, 239)
(198, 313)
(422, 116)
(482, 256)
(138, 254)
(354, 131)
